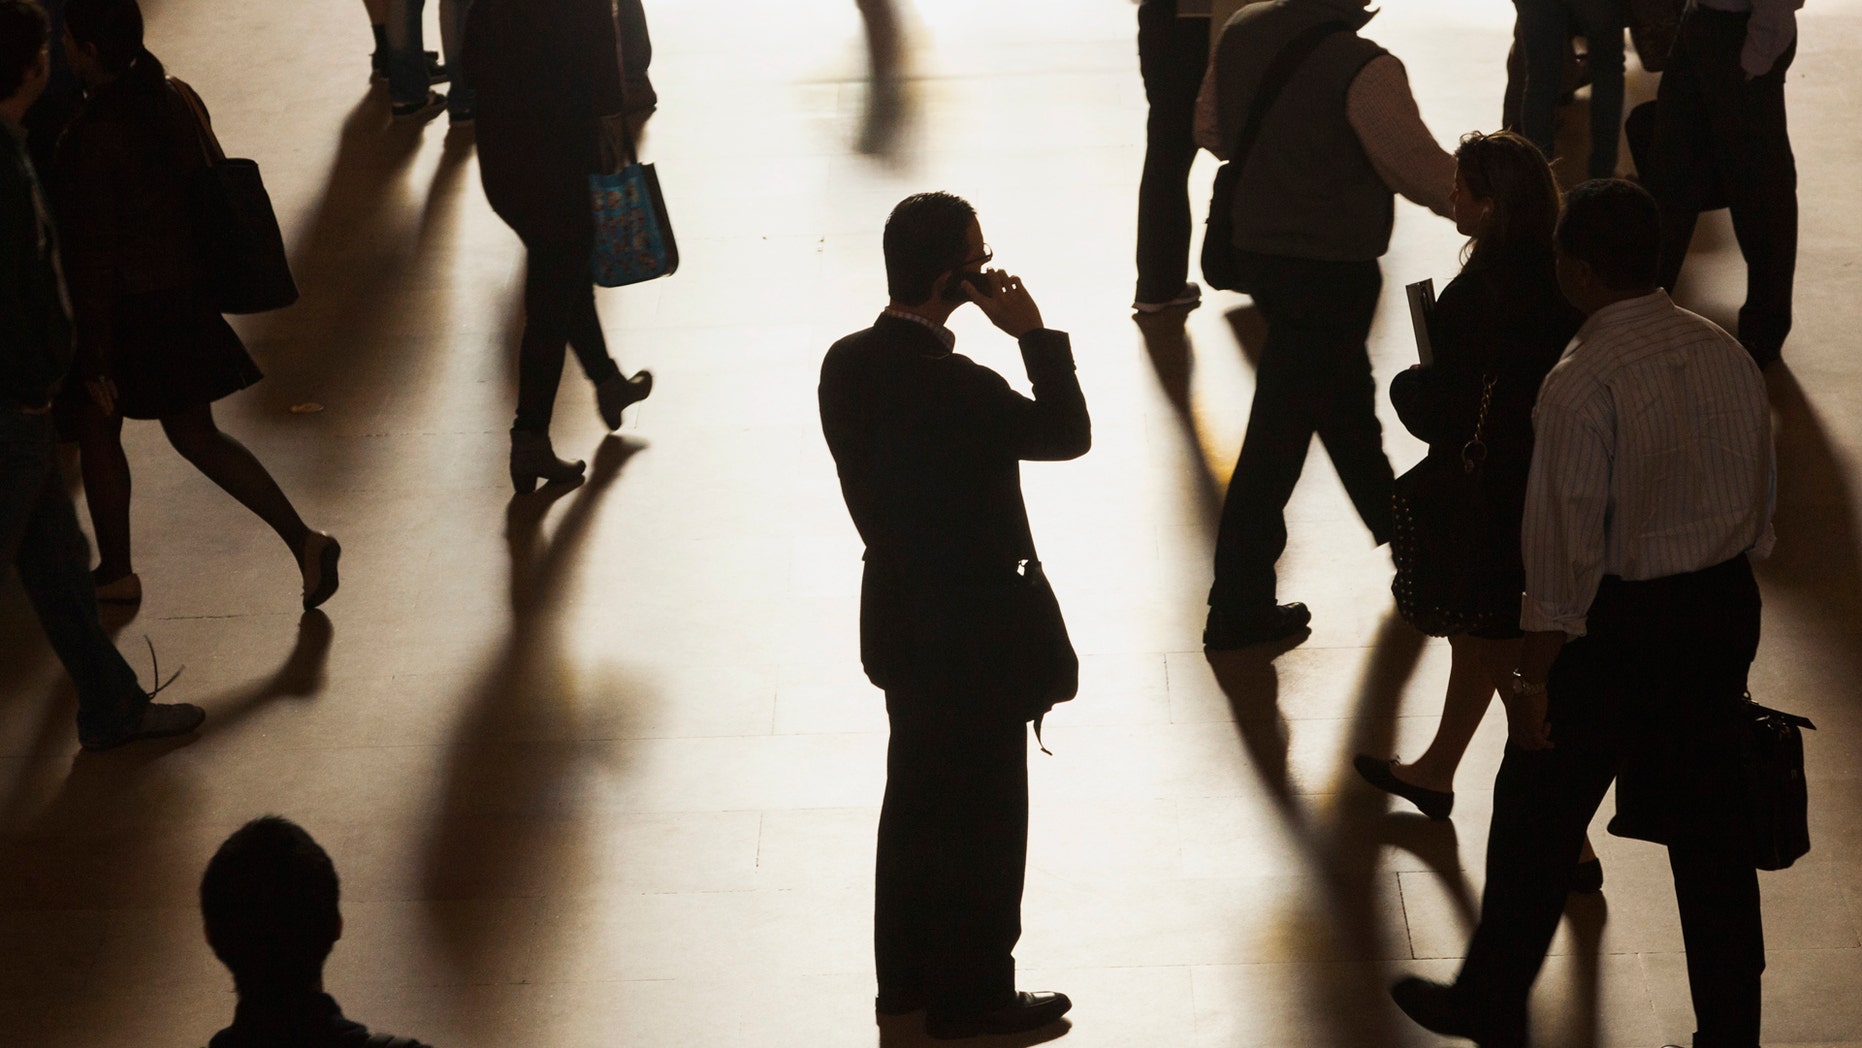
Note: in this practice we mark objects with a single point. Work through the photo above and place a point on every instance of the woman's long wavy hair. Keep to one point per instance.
(1510, 172)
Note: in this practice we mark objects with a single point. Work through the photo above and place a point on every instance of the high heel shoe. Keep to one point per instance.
(613, 395)
(1586, 877)
(533, 460)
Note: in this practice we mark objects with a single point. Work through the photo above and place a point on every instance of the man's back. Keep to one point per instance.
(310, 1022)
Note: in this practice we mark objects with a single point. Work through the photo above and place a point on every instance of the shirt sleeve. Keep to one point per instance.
(1771, 29)
(1383, 113)
(1561, 537)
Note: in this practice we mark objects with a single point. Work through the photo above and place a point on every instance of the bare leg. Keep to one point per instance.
(226, 462)
(106, 489)
(1473, 675)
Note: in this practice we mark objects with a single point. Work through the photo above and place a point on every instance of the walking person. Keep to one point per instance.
(1313, 211)
(1544, 35)
(1173, 53)
(151, 343)
(1496, 331)
(411, 70)
(552, 109)
(38, 526)
(929, 445)
(1649, 493)
(1720, 125)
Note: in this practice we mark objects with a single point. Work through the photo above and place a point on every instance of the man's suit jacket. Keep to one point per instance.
(928, 444)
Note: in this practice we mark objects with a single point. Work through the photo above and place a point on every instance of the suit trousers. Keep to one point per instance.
(1714, 124)
(1651, 692)
(953, 851)
(1172, 55)
(1314, 376)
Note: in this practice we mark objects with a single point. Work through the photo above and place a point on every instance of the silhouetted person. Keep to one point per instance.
(38, 526)
(1650, 490)
(1720, 124)
(1504, 321)
(409, 70)
(551, 103)
(1544, 35)
(47, 118)
(269, 902)
(1173, 53)
(928, 444)
(1312, 214)
(151, 341)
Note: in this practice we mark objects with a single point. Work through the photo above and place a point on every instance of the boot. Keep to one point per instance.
(612, 395)
(532, 459)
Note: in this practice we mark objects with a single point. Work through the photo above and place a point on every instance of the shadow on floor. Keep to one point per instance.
(504, 825)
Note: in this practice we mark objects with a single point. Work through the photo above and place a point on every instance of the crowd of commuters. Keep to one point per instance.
(1627, 461)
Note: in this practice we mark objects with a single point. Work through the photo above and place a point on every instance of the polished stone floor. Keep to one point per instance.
(603, 769)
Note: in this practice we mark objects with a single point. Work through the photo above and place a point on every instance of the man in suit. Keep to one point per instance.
(928, 445)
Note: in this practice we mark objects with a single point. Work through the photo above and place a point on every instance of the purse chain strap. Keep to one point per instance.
(1474, 452)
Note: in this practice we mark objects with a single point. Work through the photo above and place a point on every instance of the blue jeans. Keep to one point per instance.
(407, 58)
(39, 534)
(1543, 25)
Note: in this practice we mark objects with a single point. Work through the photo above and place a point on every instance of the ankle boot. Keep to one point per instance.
(614, 394)
(532, 459)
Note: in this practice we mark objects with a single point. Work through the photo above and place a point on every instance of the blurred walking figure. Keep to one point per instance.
(1496, 331)
(151, 343)
(554, 107)
(1173, 54)
(410, 69)
(379, 60)
(885, 80)
(1720, 129)
(38, 527)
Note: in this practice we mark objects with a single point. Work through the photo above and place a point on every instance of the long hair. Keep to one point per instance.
(1510, 172)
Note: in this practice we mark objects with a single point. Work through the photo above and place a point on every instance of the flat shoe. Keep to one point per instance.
(160, 720)
(319, 565)
(1436, 804)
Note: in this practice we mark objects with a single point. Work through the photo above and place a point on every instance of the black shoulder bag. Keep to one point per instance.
(235, 229)
(1218, 260)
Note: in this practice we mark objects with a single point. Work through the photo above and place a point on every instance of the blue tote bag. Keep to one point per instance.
(633, 234)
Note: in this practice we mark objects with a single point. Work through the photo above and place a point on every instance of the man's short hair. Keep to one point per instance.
(269, 900)
(23, 30)
(1614, 227)
(926, 235)
(113, 27)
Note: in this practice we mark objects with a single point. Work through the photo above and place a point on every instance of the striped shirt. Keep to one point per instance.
(1652, 456)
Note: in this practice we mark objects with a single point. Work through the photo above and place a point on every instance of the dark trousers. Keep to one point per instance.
(1172, 55)
(1314, 377)
(559, 310)
(1713, 124)
(1651, 693)
(953, 849)
(1543, 33)
(39, 535)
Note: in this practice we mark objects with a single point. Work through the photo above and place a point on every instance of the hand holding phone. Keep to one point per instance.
(1006, 303)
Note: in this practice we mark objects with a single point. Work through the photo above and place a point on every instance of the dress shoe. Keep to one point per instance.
(318, 563)
(1436, 804)
(160, 720)
(1229, 630)
(533, 460)
(614, 394)
(1029, 1011)
(1189, 298)
(1587, 877)
(899, 1002)
(1434, 1007)
(125, 589)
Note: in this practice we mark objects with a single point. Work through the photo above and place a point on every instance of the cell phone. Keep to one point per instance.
(953, 291)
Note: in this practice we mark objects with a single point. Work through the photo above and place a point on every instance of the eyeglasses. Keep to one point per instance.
(988, 256)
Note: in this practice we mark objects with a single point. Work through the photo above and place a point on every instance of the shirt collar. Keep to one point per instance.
(1651, 304)
(944, 334)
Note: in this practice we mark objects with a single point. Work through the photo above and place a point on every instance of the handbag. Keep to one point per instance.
(1653, 26)
(633, 234)
(1218, 257)
(1772, 761)
(235, 229)
(1446, 577)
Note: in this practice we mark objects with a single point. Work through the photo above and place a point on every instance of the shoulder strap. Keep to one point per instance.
(1285, 64)
(203, 128)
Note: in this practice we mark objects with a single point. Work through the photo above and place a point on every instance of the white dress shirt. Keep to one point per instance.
(1652, 456)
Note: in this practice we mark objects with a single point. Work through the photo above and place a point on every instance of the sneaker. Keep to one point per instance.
(1189, 298)
(318, 562)
(124, 590)
(432, 106)
(160, 720)
(1227, 631)
(437, 73)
